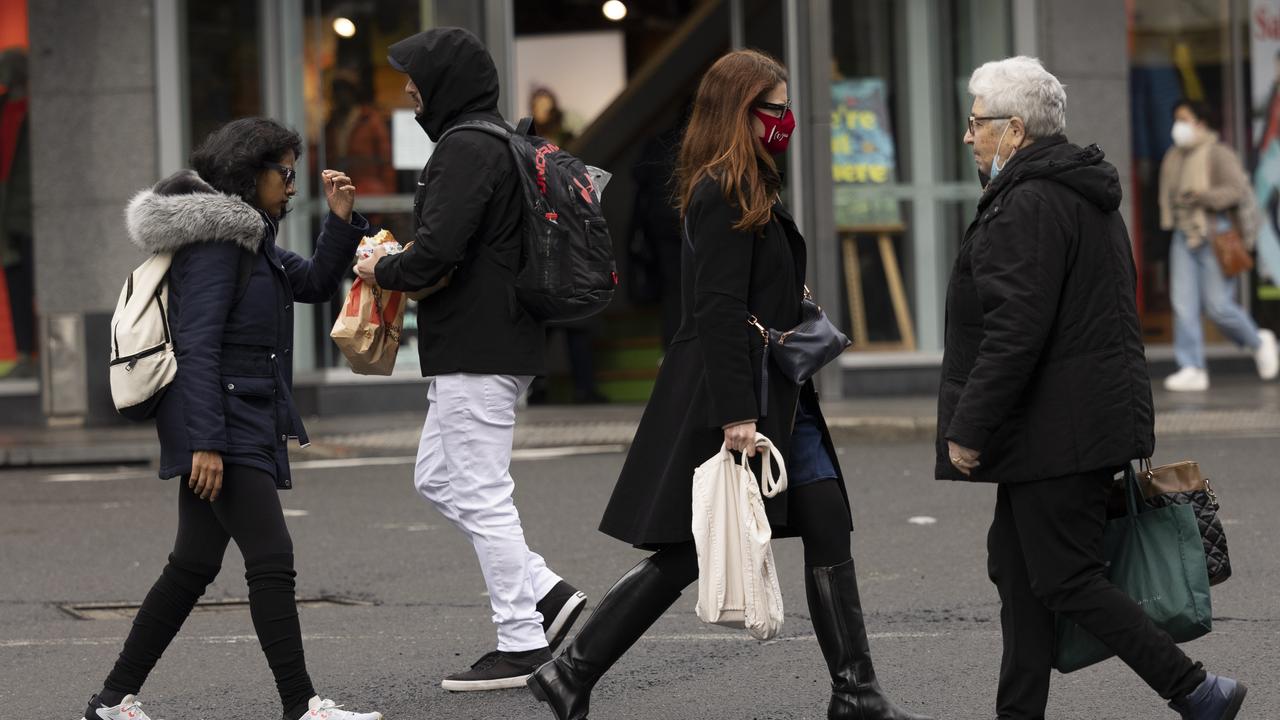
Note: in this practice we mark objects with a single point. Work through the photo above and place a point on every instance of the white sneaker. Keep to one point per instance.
(1267, 356)
(326, 710)
(128, 709)
(1188, 379)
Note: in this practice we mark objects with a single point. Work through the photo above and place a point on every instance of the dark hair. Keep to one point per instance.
(233, 155)
(1199, 108)
(557, 115)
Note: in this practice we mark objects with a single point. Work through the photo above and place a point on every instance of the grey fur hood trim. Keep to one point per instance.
(183, 209)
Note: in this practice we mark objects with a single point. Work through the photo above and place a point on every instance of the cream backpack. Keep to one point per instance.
(143, 363)
(737, 577)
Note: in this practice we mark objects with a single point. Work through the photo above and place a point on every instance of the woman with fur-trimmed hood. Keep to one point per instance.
(225, 421)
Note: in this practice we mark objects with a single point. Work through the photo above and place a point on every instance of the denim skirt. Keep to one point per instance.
(809, 462)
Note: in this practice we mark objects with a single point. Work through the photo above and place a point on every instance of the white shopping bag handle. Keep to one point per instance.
(769, 485)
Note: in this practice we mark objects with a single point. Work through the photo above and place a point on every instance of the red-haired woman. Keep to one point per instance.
(746, 258)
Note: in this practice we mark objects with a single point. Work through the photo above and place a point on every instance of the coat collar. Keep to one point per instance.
(183, 210)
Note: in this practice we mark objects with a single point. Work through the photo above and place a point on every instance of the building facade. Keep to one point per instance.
(877, 174)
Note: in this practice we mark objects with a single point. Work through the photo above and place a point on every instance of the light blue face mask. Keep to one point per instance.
(996, 167)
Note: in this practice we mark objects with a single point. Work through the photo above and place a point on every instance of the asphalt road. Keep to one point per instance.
(101, 536)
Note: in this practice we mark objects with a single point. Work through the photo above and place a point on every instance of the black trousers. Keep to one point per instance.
(1045, 557)
(248, 511)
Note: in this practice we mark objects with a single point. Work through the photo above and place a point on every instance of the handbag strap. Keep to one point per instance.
(1132, 491)
(770, 486)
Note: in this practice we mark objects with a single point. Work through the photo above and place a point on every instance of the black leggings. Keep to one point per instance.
(247, 511)
(817, 510)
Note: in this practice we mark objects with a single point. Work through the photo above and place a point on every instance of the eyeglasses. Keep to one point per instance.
(286, 172)
(974, 120)
(779, 108)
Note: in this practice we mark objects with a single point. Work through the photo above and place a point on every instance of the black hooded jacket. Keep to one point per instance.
(467, 214)
(1044, 369)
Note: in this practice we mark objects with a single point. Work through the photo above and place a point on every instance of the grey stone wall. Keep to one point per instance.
(93, 142)
(93, 145)
(1085, 44)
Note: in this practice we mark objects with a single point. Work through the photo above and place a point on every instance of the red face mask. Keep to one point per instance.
(777, 130)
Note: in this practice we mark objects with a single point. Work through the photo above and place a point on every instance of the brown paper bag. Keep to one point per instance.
(367, 330)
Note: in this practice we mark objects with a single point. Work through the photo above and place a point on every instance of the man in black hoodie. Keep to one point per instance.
(1045, 391)
(478, 343)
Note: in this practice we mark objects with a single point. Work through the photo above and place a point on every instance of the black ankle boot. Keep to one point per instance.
(633, 604)
(837, 620)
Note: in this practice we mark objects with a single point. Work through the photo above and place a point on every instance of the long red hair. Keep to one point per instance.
(720, 142)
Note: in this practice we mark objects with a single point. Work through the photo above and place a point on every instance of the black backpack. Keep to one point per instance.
(567, 271)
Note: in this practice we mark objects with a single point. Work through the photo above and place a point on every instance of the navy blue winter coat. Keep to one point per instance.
(233, 339)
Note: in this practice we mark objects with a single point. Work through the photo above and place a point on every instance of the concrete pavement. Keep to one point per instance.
(361, 533)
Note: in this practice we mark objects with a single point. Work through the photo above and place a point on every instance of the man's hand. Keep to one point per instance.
(341, 194)
(365, 268)
(964, 459)
(206, 474)
(741, 438)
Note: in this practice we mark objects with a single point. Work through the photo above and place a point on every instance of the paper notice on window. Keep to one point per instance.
(410, 146)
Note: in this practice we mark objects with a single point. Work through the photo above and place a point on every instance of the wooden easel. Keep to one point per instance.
(893, 277)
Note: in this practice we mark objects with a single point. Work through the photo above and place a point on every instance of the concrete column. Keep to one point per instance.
(1085, 44)
(93, 133)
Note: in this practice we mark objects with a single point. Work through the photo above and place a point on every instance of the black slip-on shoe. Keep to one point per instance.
(498, 670)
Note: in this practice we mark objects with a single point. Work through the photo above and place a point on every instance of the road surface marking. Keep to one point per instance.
(524, 454)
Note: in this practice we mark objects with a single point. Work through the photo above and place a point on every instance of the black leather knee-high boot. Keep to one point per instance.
(836, 610)
(633, 604)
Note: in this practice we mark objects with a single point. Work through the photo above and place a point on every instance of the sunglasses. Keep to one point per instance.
(779, 108)
(975, 119)
(286, 172)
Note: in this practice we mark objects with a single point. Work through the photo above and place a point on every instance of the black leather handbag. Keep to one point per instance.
(806, 348)
(1182, 484)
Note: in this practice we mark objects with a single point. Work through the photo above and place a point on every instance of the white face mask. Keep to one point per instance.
(1184, 134)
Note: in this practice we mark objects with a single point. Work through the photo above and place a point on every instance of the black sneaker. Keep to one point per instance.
(498, 671)
(560, 609)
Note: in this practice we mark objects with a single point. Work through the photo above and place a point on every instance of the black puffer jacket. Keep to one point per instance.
(1045, 371)
(467, 214)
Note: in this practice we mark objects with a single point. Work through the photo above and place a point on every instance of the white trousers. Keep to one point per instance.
(463, 468)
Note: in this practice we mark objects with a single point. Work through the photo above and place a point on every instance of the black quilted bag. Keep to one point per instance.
(1182, 484)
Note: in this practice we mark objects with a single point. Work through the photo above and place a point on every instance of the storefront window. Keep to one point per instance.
(222, 35)
(359, 120)
(903, 180)
(17, 283)
(1178, 50)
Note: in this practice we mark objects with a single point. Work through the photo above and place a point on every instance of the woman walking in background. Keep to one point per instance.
(1203, 191)
(226, 419)
(744, 264)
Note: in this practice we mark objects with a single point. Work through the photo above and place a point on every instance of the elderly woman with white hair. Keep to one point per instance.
(1045, 390)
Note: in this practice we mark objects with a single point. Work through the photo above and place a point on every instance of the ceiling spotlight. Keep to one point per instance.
(615, 10)
(344, 27)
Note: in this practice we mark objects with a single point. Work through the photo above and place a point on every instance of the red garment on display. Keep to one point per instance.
(12, 115)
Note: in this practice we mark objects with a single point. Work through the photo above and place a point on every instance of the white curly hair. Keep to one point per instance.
(1021, 87)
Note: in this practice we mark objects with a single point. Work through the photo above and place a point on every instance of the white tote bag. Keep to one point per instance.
(737, 578)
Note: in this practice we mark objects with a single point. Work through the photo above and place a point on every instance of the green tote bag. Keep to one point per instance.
(1157, 557)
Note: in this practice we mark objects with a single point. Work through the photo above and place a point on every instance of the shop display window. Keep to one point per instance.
(17, 283)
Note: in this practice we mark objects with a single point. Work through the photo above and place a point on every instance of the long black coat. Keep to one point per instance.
(233, 390)
(1044, 369)
(467, 214)
(710, 376)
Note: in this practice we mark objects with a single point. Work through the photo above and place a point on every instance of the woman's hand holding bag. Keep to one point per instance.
(737, 577)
